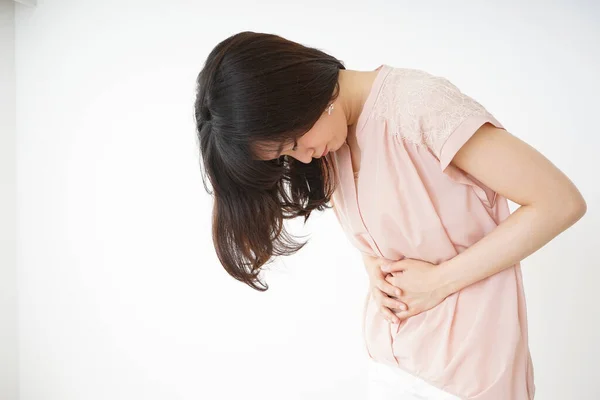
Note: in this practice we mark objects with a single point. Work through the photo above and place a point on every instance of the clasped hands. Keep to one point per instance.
(406, 288)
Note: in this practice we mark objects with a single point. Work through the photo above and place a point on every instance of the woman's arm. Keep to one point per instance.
(550, 203)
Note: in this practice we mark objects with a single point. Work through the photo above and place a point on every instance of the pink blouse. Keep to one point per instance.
(409, 201)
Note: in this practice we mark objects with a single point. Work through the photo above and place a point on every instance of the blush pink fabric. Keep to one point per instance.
(409, 201)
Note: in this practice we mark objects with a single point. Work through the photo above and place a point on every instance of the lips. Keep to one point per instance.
(324, 152)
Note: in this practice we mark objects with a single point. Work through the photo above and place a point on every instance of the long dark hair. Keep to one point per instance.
(257, 91)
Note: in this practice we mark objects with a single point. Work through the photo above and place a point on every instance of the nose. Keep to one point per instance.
(306, 156)
(306, 159)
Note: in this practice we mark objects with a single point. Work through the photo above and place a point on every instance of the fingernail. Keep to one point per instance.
(385, 267)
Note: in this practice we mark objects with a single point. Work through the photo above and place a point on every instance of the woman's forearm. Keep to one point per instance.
(525, 231)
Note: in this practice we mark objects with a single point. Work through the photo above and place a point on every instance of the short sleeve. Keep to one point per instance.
(448, 118)
(429, 111)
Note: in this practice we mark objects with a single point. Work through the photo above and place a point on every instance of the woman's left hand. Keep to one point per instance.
(420, 284)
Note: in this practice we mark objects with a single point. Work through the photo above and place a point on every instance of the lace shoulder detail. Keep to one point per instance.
(422, 108)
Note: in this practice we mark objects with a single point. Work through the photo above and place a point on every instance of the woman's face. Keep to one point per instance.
(327, 134)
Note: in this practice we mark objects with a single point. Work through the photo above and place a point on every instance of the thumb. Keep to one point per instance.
(391, 267)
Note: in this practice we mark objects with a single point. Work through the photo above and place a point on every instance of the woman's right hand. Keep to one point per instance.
(385, 294)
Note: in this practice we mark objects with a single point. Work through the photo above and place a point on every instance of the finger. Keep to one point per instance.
(389, 315)
(402, 315)
(393, 304)
(395, 281)
(392, 267)
(388, 288)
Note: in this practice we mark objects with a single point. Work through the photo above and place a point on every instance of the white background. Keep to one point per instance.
(120, 294)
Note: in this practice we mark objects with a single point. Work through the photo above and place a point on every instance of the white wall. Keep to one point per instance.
(8, 206)
(120, 292)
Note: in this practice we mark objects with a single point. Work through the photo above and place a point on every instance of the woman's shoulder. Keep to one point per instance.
(400, 101)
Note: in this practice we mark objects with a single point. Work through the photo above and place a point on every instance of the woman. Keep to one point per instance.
(418, 174)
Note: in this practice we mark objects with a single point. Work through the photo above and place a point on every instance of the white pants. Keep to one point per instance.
(388, 383)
